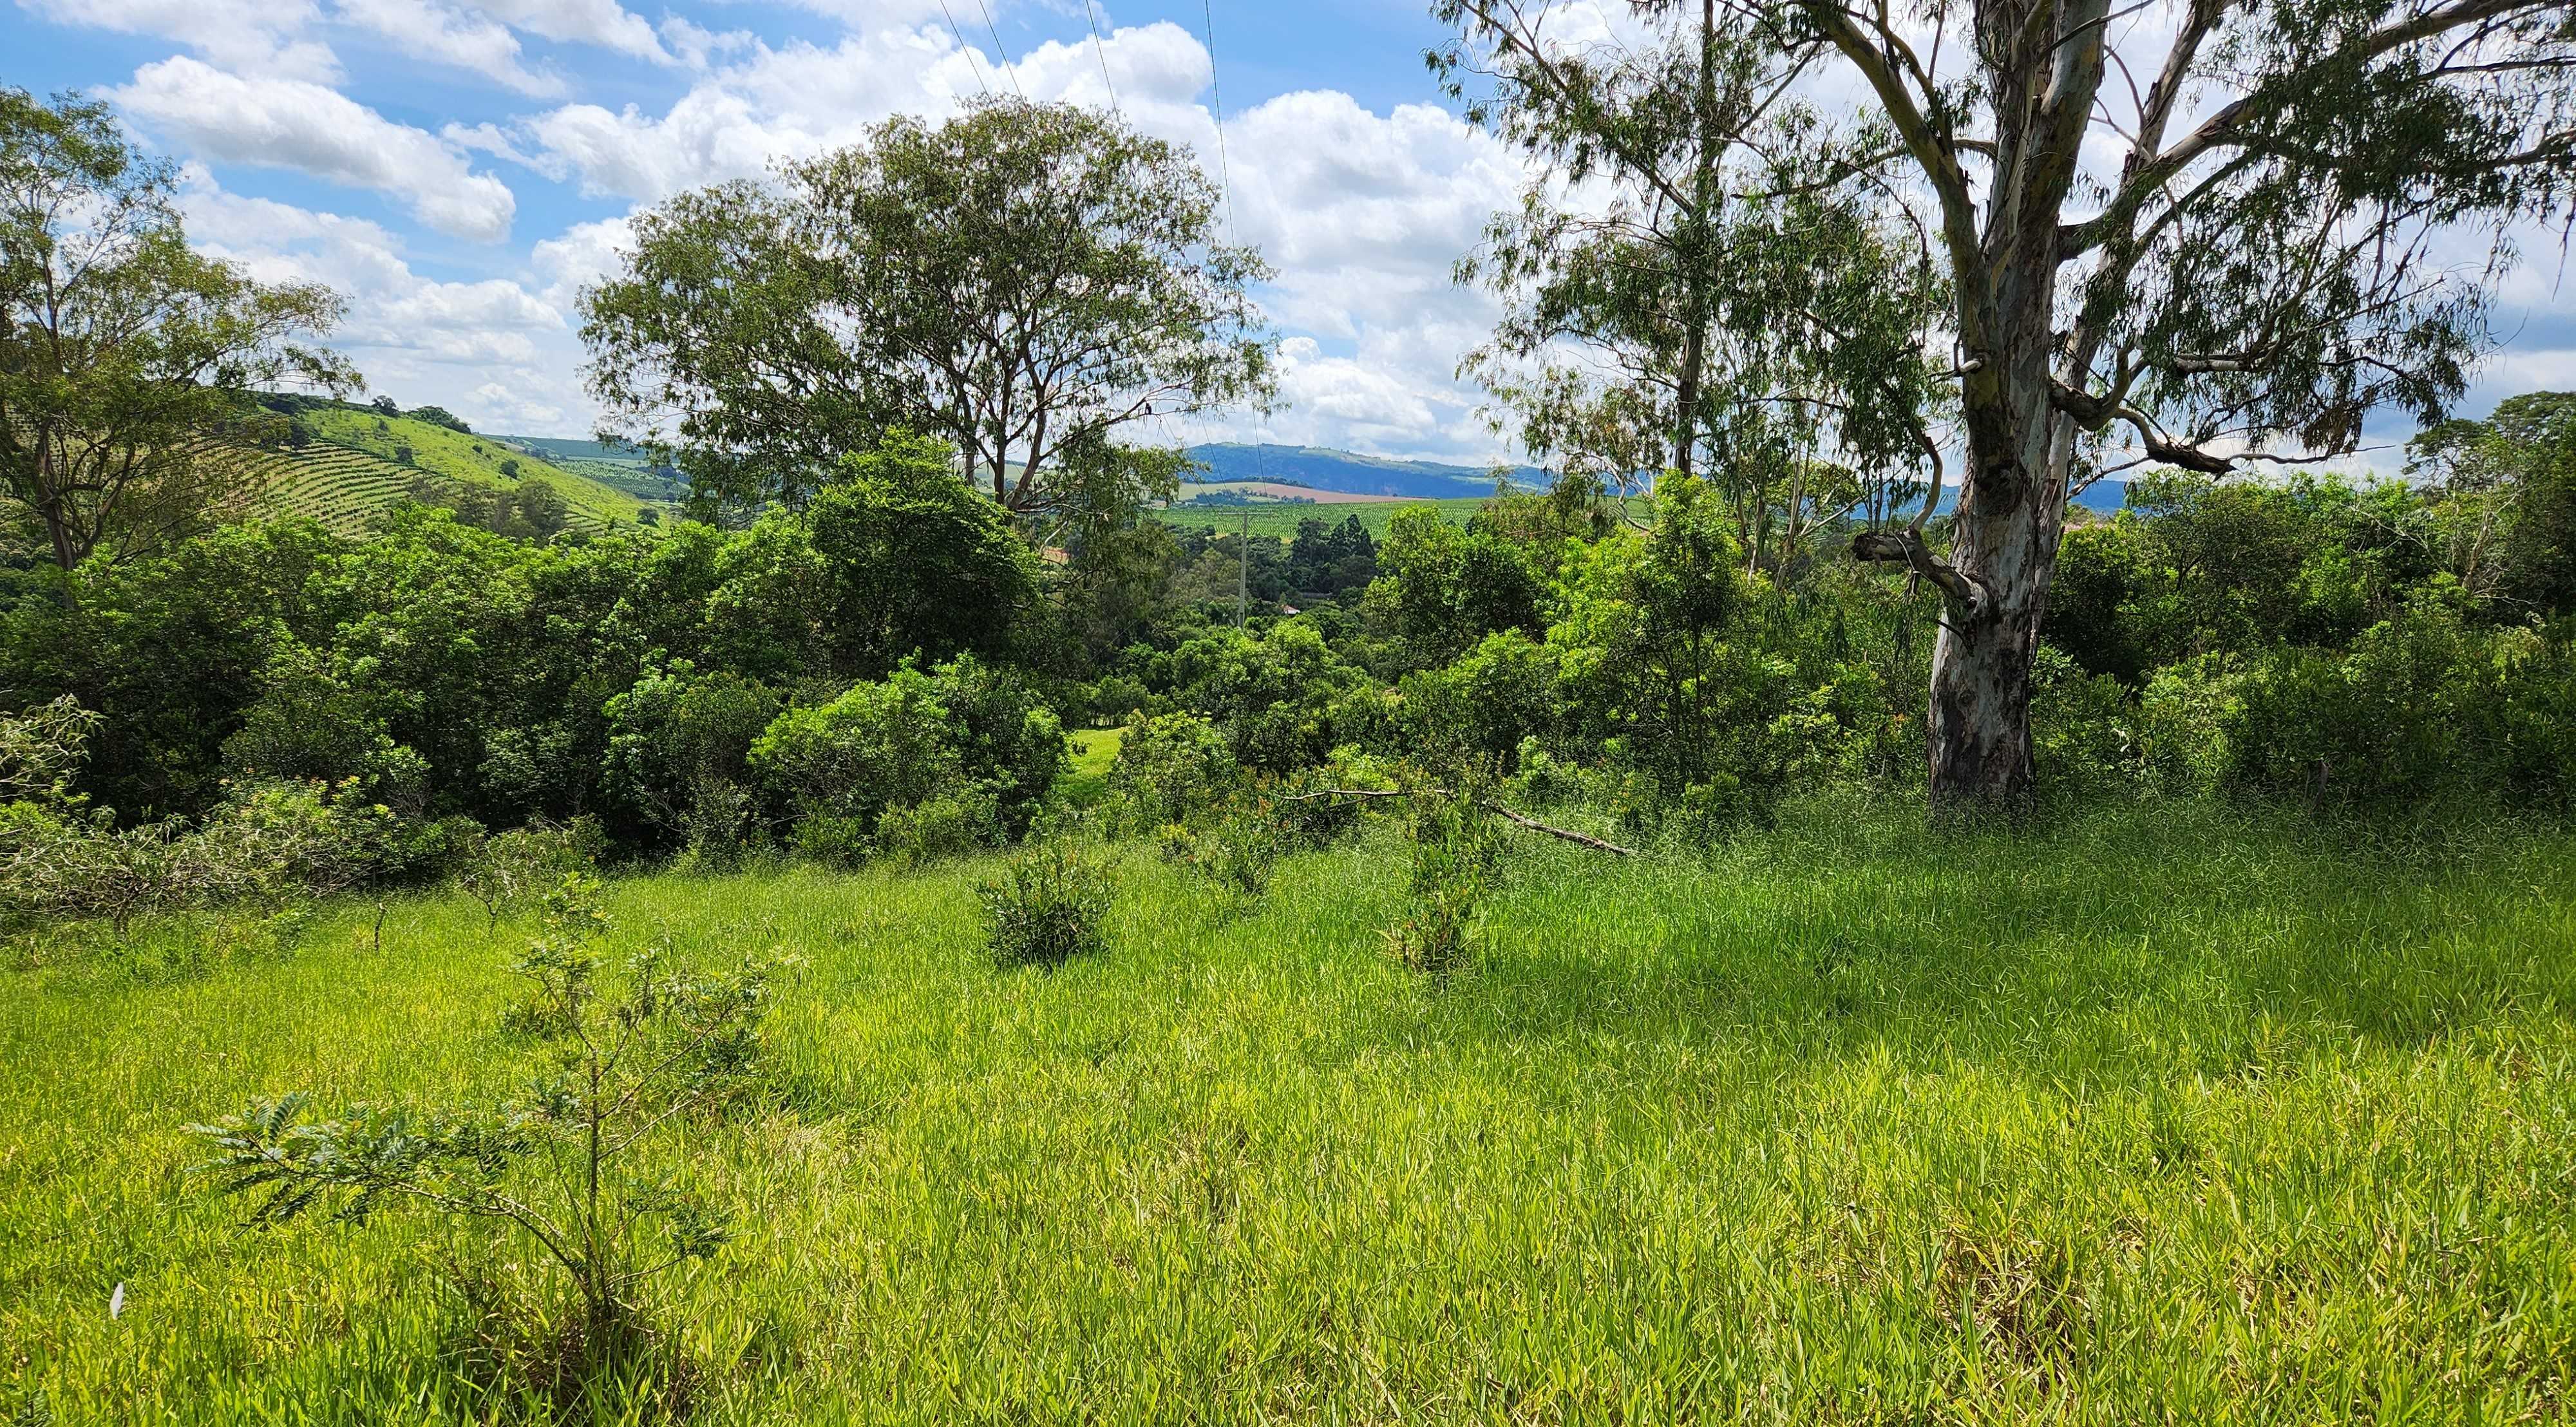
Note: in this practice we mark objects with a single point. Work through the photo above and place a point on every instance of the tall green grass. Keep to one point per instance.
(2163, 1116)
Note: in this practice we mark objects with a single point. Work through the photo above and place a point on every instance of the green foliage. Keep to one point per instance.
(1456, 849)
(2194, 566)
(1482, 709)
(1663, 664)
(1169, 768)
(965, 751)
(920, 566)
(1274, 692)
(440, 416)
(635, 1053)
(680, 743)
(1048, 904)
(126, 356)
(1443, 589)
(268, 845)
(515, 868)
(41, 750)
(878, 273)
(2511, 531)
(1331, 559)
(2420, 709)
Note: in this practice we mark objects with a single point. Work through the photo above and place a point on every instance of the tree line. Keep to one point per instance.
(903, 381)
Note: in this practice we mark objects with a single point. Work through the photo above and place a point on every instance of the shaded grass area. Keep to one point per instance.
(2164, 1116)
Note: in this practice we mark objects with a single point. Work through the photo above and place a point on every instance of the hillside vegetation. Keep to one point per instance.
(1841, 1124)
(330, 486)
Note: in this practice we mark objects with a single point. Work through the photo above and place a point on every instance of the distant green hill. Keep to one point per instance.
(1355, 475)
(612, 464)
(1281, 519)
(364, 462)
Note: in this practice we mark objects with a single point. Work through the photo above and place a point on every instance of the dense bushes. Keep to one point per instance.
(956, 758)
(886, 671)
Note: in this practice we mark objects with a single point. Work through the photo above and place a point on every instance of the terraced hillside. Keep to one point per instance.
(341, 488)
(618, 467)
(353, 473)
(460, 456)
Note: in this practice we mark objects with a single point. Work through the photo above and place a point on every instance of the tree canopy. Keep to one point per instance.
(127, 357)
(2191, 241)
(1023, 281)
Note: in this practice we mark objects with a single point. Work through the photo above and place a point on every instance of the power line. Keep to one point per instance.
(1001, 56)
(1216, 97)
(1101, 50)
(966, 49)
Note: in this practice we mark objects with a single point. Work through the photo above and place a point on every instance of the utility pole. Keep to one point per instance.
(1243, 577)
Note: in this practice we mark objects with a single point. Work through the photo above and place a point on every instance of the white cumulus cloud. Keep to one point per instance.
(452, 37)
(267, 35)
(288, 123)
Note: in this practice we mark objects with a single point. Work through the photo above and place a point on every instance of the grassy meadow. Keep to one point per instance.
(2157, 1117)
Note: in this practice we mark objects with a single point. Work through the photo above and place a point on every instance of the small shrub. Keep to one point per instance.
(1048, 904)
(515, 868)
(1455, 851)
(1237, 854)
(637, 1055)
(951, 825)
(829, 840)
(1168, 770)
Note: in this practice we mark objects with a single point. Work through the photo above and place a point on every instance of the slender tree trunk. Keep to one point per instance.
(65, 552)
(1696, 227)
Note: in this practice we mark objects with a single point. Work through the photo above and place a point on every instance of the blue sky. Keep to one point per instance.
(460, 168)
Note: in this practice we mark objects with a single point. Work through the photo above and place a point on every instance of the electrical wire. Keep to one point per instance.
(1100, 50)
(1001, 56)
(966, 50)
(1216, 97)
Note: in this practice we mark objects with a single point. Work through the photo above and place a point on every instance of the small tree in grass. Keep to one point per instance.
(515, 868)
(634, 1053)
(1455, 849)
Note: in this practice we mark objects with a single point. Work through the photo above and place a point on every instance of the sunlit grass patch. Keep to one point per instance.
(2163, 1117)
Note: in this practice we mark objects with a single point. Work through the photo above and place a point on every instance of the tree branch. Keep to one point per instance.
(1516, 819)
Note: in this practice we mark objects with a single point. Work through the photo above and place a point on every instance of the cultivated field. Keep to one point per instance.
(1281, 519)
(2167, 1117)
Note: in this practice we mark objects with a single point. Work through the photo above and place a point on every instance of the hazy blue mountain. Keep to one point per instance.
(1322, 470)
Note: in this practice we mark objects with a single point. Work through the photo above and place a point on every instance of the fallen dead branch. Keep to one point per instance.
(1516, 819)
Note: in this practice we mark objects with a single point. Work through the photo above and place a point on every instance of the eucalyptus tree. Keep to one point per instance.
(1024, 280)
(127, 358)
(1686, 290)
(2205, 233)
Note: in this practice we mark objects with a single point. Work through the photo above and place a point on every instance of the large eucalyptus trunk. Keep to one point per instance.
(1978, 724)
(2004, 536)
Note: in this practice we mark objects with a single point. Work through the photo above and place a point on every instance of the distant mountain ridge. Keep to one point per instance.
(1323, 470)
